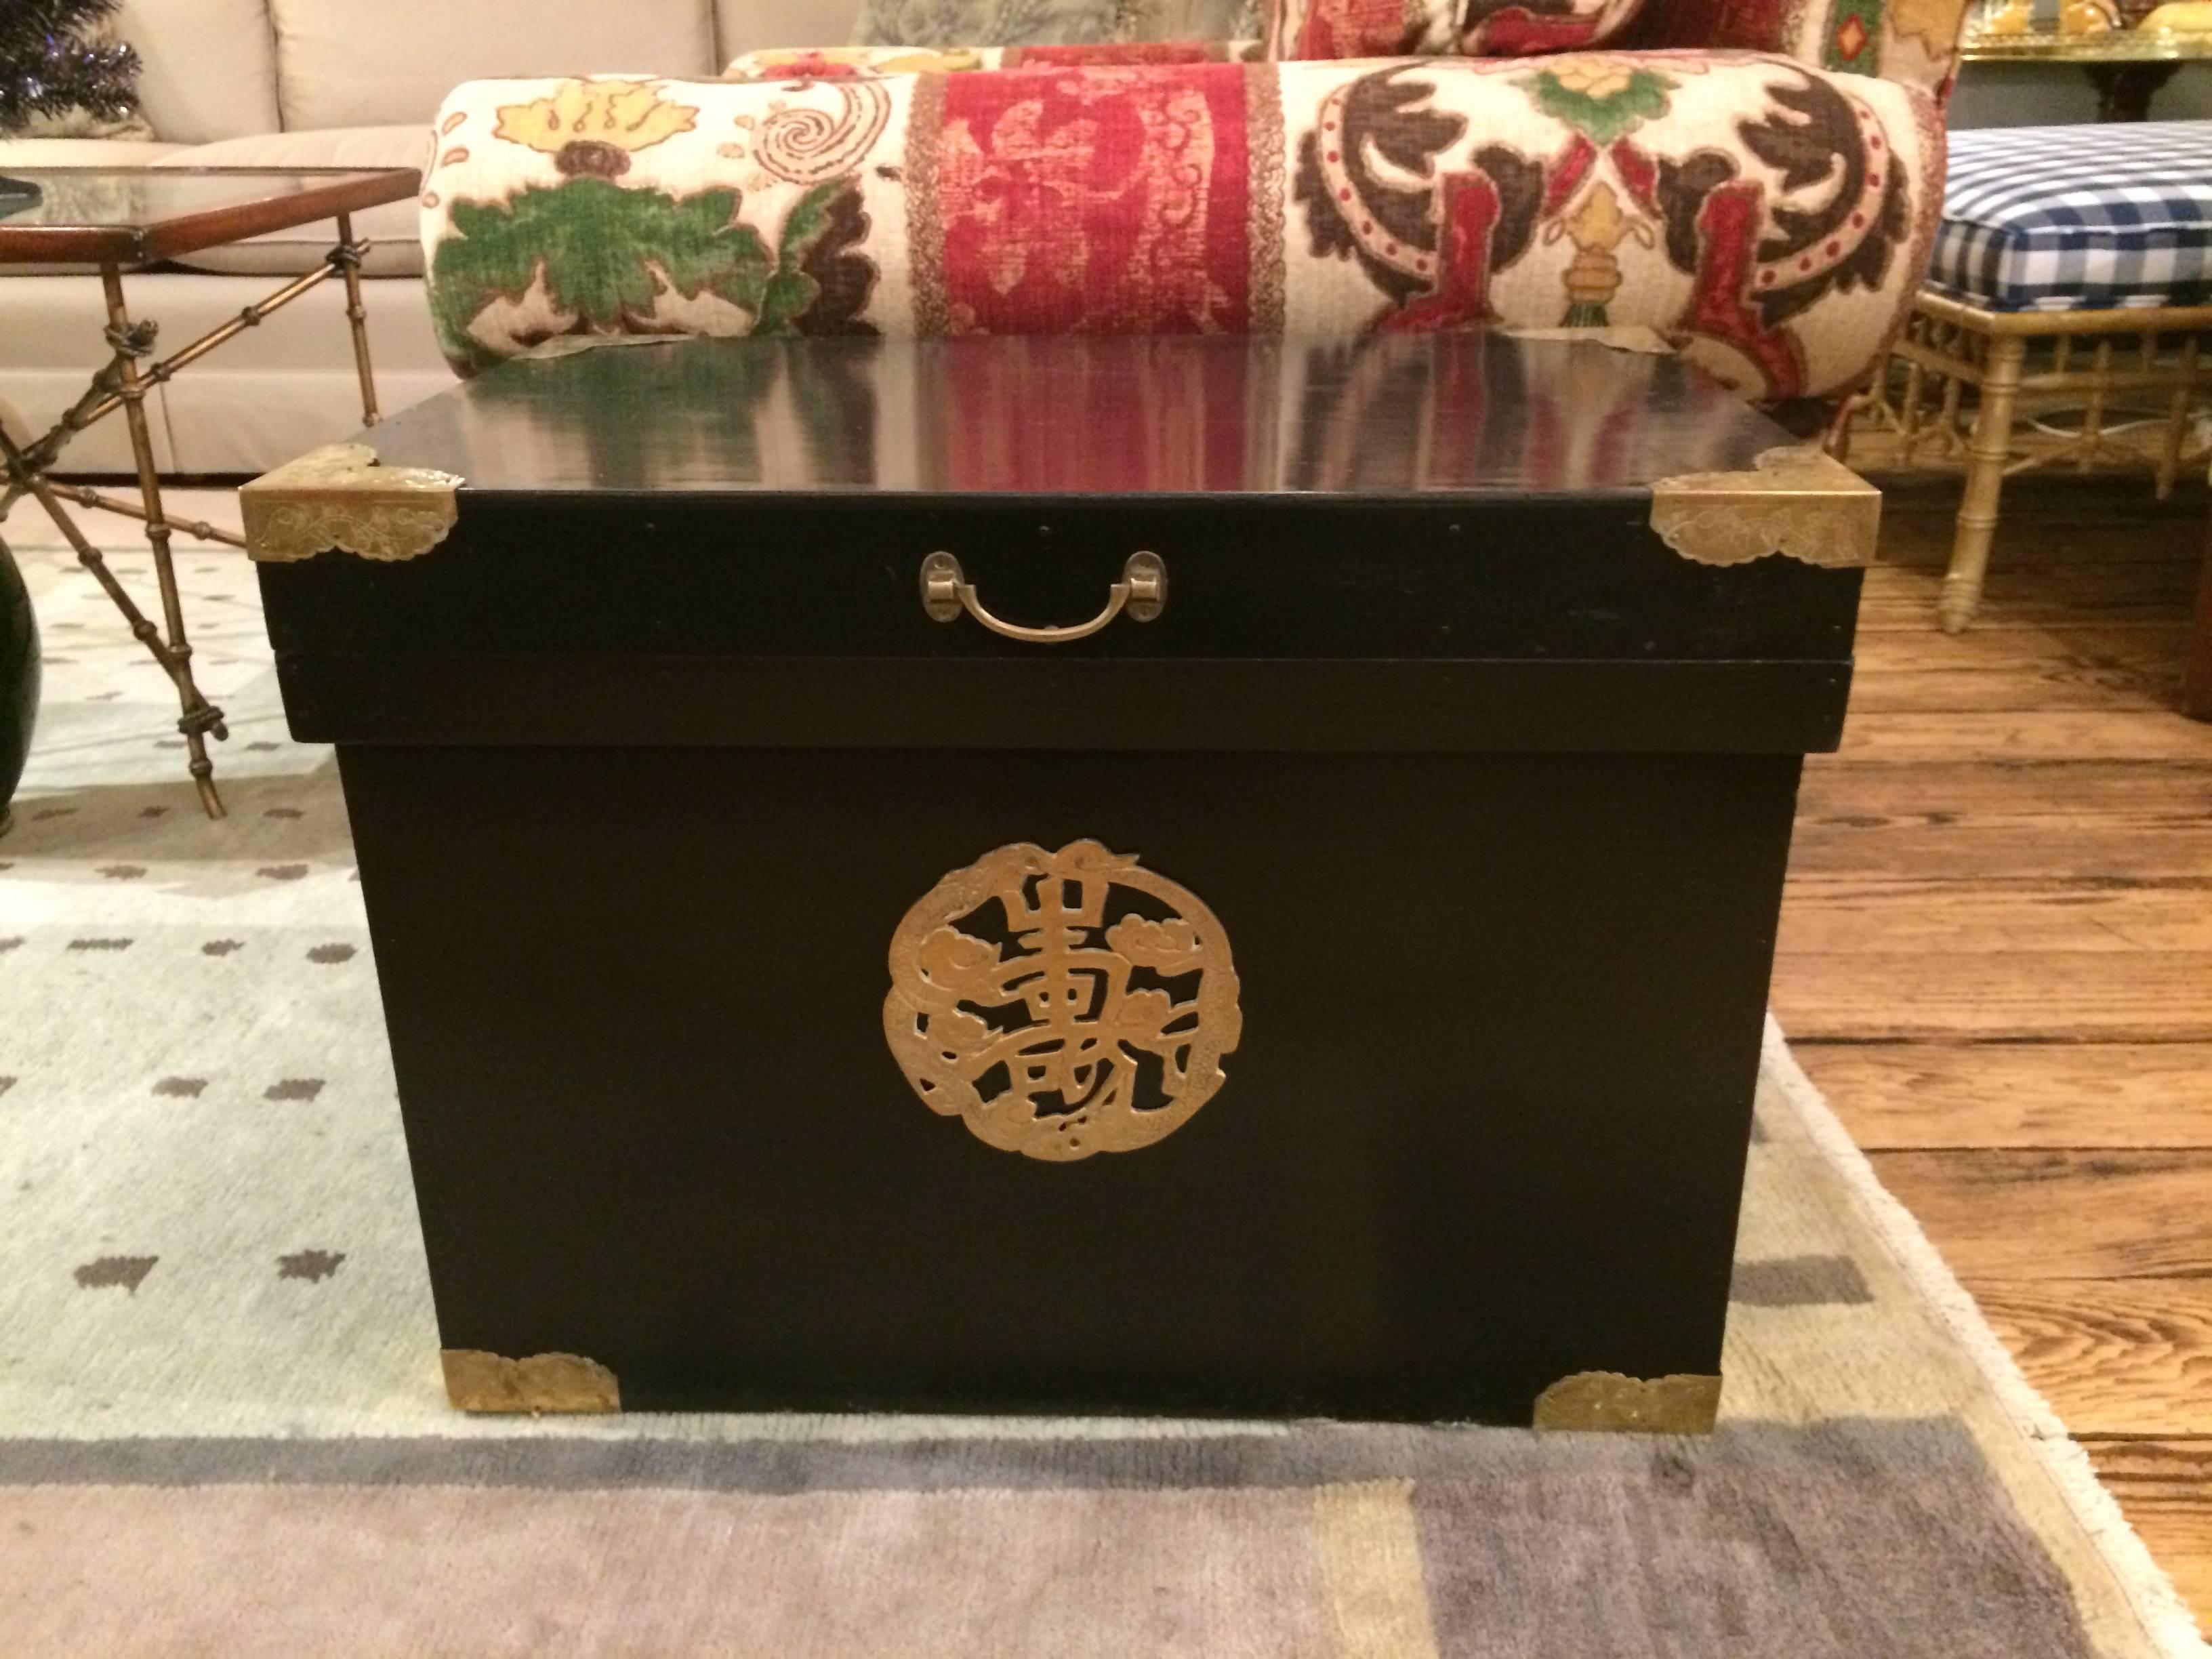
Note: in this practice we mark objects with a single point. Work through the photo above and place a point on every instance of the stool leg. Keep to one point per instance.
(2177, 419)
(2093, 416)
(1986, 453)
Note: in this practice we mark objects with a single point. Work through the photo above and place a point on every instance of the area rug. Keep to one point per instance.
(223, 1432)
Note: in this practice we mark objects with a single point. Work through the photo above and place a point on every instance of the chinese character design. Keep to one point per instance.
(1062, 1004)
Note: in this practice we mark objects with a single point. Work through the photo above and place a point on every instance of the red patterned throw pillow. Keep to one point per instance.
(1459, 28)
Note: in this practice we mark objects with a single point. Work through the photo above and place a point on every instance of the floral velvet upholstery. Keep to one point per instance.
(1769, 217)
(1911, 40)
(939, 24)
(1914, 41)
(1459, 28)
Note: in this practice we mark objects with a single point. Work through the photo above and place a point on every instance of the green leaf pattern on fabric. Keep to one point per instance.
(790, 293)
(606, 255)
(1599, 98)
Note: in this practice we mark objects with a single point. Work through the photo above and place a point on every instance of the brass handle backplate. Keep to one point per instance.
(1142, 591)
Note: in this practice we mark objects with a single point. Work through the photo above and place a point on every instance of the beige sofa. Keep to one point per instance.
(317, 83)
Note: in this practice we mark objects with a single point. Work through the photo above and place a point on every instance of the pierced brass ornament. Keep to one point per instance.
(1062, 1004)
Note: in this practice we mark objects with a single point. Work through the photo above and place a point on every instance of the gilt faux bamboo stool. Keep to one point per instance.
(1194, 876)
(2072, 271)
(2020, 363)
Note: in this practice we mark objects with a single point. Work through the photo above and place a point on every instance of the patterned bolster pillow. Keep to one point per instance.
(1769, 220)
(1453, 28)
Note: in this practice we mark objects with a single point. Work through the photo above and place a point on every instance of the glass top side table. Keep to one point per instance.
(119, 218)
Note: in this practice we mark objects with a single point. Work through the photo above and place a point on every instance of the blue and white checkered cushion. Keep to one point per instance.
(2084, 218)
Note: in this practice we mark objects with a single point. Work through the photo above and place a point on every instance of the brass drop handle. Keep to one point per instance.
(1142, 591)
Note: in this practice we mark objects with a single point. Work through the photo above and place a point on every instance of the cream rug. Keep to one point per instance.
(223, 1432)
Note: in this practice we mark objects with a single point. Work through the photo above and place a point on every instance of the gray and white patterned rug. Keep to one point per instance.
(222, 1432)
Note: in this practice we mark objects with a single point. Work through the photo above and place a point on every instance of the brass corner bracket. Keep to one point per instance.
(1682, 1403)
(1795, 501)
(480, 1381)
(342, 497)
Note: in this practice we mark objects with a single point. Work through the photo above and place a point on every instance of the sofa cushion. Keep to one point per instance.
(2084, 218)
(1772, 221)
(84, 152)
(371, 63)
(80, 122)
(396, 246)
(742, 26)
(208, 68)
(1484, 28)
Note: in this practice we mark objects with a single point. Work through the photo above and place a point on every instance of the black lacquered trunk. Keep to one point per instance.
(1486, 788)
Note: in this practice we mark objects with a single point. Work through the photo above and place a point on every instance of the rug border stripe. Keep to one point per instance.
(2166, 1619)
(1322, 1455)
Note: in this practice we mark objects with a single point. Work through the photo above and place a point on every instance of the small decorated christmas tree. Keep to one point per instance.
(53, 60)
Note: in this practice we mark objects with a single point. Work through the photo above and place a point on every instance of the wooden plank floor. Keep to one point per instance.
(1997, 961)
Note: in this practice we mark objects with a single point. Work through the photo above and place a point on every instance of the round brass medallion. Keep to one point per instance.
(1062, 1004)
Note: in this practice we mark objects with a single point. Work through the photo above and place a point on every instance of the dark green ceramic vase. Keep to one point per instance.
(19, 678)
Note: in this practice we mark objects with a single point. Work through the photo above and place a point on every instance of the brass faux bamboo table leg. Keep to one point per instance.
(347, 257)
(122, 383)
(48, 495)
(199, 717)
(26, 476)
